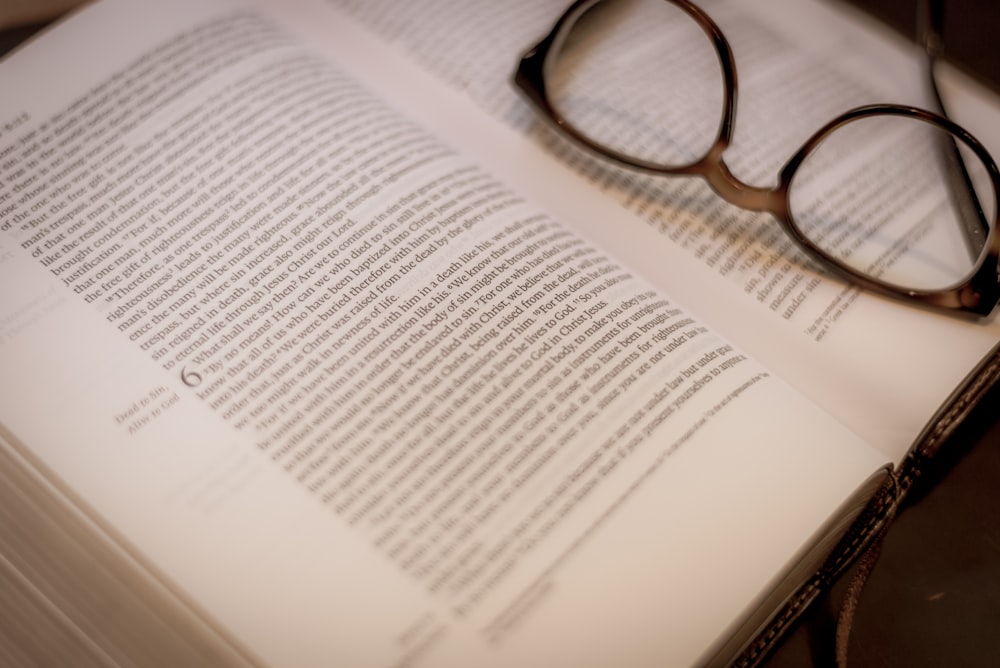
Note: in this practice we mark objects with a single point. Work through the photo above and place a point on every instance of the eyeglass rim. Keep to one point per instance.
(977, 295)
(529, 79)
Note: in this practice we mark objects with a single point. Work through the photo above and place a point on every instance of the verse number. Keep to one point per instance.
(190, 378)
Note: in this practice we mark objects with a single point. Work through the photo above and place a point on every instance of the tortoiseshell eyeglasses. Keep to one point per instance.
(896, 199)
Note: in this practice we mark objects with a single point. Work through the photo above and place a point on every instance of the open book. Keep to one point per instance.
(319, 350)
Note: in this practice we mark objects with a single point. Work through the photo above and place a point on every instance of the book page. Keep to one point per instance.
(880, 366)
(352, 394)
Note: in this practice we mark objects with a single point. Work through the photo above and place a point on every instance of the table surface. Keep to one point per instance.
(933, 598)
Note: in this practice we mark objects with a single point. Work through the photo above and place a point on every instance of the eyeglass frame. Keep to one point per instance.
(977, 296)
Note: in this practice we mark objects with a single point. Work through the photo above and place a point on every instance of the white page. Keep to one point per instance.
(297, 585)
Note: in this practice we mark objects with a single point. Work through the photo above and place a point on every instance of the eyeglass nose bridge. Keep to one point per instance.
(728, 186)
(713, 167)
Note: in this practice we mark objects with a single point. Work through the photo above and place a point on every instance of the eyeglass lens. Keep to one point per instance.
(880, 195)
(640, 78)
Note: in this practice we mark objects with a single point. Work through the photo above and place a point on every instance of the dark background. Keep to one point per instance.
(971, 31)
(933, 598)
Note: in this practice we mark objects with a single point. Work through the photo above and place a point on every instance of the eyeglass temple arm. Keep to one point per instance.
(930, 26)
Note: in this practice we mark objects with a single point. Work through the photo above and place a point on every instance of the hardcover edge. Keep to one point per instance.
(878, 515)
(856, 540)
(949, 417)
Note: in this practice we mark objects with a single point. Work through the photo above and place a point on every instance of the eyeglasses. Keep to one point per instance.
(895, 199)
